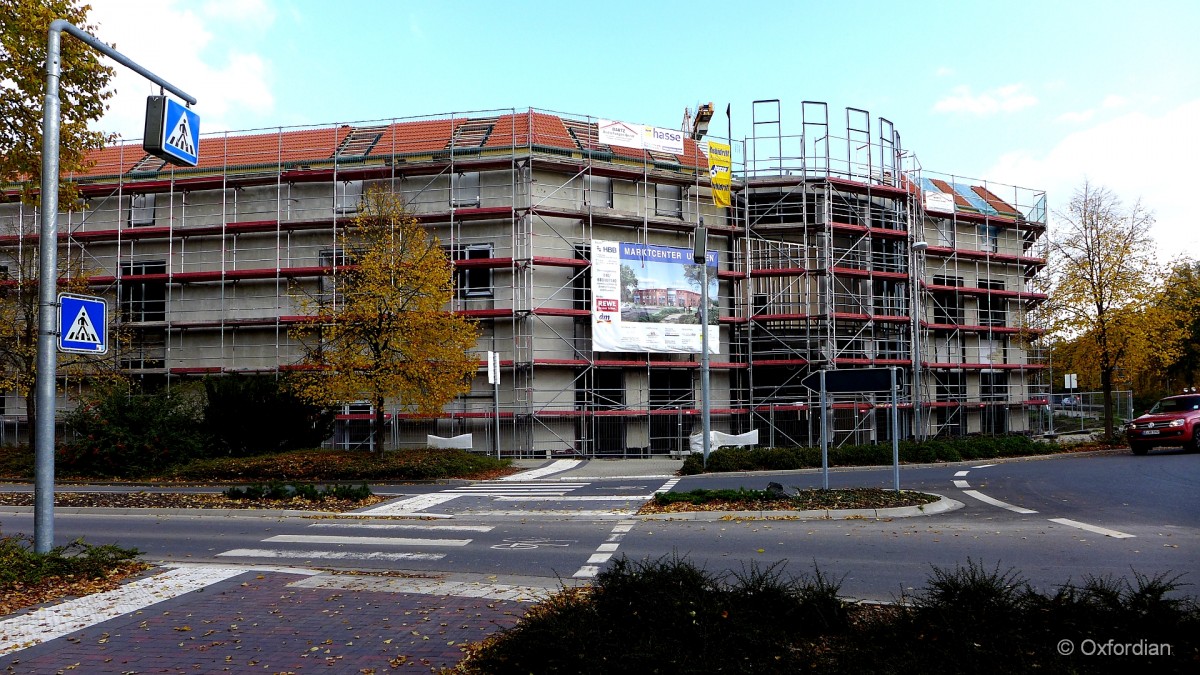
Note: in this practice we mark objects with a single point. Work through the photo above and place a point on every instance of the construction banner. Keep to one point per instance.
(646, 298)
(720, 164)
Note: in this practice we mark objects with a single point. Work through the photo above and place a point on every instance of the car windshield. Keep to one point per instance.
(1176, 405)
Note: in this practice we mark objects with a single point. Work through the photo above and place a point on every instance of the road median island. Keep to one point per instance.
(778, 503)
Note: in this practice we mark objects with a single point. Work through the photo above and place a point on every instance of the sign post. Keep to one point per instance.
(47, 364)
(859, 380)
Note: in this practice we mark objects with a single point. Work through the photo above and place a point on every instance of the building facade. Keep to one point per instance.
(838, 251)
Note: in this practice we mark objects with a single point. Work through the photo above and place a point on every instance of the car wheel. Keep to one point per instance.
(1138, 449)
(1194, 446)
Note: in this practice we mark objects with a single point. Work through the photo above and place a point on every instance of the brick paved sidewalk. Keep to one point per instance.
(279, 622)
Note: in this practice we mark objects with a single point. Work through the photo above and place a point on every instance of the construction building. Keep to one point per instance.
(838, 251)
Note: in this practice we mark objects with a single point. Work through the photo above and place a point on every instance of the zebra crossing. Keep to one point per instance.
(384, 548)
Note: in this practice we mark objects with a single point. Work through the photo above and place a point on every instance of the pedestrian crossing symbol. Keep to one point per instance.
(172, 131)
(82, 324)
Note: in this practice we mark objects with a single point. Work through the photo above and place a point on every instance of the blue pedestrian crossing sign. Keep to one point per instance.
(82, 324)
(172, 131)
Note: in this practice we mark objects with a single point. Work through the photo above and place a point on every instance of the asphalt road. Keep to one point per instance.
(1054, 520)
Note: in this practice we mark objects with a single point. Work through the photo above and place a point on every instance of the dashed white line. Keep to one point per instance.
(996, 502)
(1092, 528)
(961, 484)
(960, 474)
(578, 498)
(667, 486)
(605, 551)
(983, 466)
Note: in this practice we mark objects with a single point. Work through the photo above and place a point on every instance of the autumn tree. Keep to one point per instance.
(1181, 296)
(19, 321)
(385, 335)
(1105, 281)
(24, 25)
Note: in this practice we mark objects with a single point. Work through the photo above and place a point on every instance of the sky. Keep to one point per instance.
(1043, 95)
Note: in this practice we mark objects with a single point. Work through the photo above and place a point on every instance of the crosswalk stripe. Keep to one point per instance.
(365, 541)
(389, 526)
(557, 466)
(410, 505)
(328, 555)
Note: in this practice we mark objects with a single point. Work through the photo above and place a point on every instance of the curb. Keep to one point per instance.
(943, 505)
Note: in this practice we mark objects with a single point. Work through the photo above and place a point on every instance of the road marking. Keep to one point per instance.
(493, 489)
(983, 466)
(410, 505)
(587, 572)
(961, 484)
(365, 541)
(328, 555)
(577, 498)
(62, 619)
(388, 526)
(595, 514)
(442, 587)
(667, 486)
(557, 466)
(604, 551)
(960, 474)
(996, 502)
(1092, 528)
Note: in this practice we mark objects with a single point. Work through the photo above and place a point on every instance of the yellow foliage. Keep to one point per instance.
(386, 334)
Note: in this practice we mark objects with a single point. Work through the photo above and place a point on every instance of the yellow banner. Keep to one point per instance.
(720, 164)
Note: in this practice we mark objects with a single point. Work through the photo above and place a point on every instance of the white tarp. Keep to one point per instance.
(460, 442)
(646, 298)
(717, 439)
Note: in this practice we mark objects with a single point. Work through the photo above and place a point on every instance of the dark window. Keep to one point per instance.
(581, 280)
(473, 281)
(464, 189)
(989, 238)
(668, 201)
(670, 388)
(993, 309)
(143, 299)
(597, 191)
(141, 210)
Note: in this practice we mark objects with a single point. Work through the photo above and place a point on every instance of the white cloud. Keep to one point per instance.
(176, 41)
(1077, 117)
(1114, 101)
(1009, 98)
(944, 71)
(1137, 155)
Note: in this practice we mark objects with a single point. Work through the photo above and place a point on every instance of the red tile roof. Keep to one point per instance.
(515, 130)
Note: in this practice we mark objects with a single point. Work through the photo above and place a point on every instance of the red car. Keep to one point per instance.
(1174, 421)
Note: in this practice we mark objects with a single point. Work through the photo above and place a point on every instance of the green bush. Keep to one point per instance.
(118, 431)
(929, 451)
(284, 491)
(20, 564)
(668, 616)
(255, 414)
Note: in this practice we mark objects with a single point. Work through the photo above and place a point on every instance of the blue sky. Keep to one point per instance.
(1037, 94)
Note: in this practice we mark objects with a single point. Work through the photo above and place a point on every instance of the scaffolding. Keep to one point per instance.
(208, 267)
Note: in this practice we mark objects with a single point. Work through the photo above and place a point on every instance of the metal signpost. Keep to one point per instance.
(48, 308)
(864, 380)
(700, 257)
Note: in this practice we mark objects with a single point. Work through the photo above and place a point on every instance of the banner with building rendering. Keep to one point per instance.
(646, 298)
(720, 165)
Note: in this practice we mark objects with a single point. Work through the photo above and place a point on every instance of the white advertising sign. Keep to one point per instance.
(640, 137)
(646, 298)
